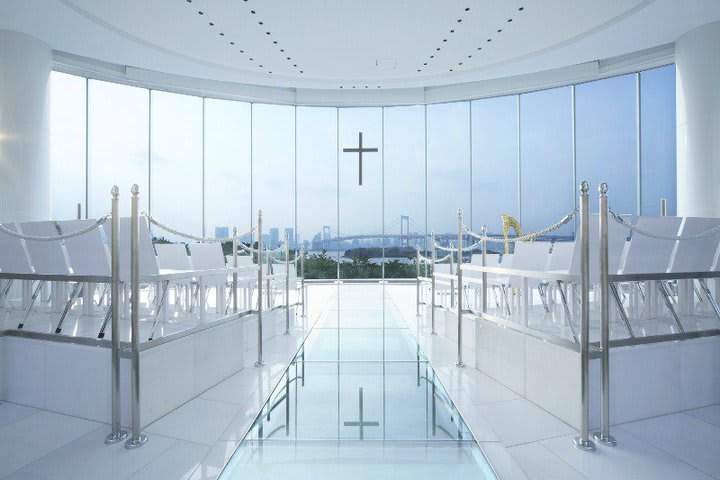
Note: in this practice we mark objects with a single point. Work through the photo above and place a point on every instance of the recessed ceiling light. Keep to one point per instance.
(489, 39)
(269, 72)
(378, 86)
(432, 56)
(521, 9)
(459, 63)
(459, 20)
(242, 51)
(451, 69)
(509, 20)
(467, 9)
(282, 49)
(353, 86)
(222, 34)
(499, 30)
(200, 12)
(232, 43)
(438, 48)
(212, 24)
(260, 23)
(295, 65)
(287, 58)
(250, 59)
(267, 33)
(452, 31)
(419, 70)
(252, 11)
(260, 66)
(341, 86)
(189, 1)
(425, 63)
(366, 86)
(301, 71)
(444, 39)
(469, 56)
(275, 42)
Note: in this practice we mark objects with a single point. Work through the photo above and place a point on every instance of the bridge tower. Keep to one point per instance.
(325, 235)
(404, 230)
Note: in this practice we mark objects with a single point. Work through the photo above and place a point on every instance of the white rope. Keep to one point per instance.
(246, 248)
(465, 249)
(442, 259)
(695, 236)
(194, 237)
(528, 237)
(64, 236)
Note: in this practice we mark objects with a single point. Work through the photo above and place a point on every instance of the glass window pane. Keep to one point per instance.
(118, 130)
(495, 161)
(546, 159)
(67, 145)
(361, 222)
(658, 139)
(273, 177)
(176, 162)
(404, 188)
(448, 168)
(317, 189)
(606, 140)
(227, 167)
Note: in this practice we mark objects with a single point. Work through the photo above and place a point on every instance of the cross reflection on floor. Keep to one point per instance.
(360, 422)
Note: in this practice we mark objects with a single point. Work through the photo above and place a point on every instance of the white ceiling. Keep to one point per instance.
(354, 43)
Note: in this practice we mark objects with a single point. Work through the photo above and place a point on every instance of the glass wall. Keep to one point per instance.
(176, 195)
(118, 140)
(547, 188)
(273, 170)
(606, 140)
(227, 167)
(657, 140)
(448, 168)
(207, 165)
(494, 162)
(67, 145)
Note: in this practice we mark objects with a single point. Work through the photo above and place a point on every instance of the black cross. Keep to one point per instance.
(361, 423)
(360, 150)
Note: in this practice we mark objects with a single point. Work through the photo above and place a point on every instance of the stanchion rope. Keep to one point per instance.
(528, 237)
(659, 236)
(194, 237)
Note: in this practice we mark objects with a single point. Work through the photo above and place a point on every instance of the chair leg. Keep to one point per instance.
(68, 306)
(621, 309)
(662, 287)
(159, 308)
(33, 297)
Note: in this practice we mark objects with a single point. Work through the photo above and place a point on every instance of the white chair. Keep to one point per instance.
(174, 256)
(13, 259)
(87, 255)
(209, 256)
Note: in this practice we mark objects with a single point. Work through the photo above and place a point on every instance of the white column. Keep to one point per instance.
(25, 65)
(697, 57)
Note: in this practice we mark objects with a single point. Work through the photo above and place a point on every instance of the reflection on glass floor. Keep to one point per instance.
(359, 399)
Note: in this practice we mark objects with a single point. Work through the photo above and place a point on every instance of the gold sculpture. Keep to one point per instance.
(510, 221)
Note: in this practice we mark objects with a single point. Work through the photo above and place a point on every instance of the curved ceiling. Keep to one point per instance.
(351, 41)
(334, 44)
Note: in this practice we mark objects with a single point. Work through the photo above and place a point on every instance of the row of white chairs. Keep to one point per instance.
(88, 255)
(640, 255)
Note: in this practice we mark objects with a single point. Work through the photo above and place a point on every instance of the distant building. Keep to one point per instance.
(290, 232)
(274, 237)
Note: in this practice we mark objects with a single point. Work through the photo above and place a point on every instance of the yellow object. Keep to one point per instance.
(510, 221)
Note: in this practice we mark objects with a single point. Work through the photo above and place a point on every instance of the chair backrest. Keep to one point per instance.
(617, 236)
(651, 255)
(146, 253)
(172, 256)
(206, 256)
(531, 256)
(697, 255)
(47, 258)
(13, 258)
(279, 269)
(87, 253)
(492, 259)
(561, 256)
(442, 268)
(243, 260)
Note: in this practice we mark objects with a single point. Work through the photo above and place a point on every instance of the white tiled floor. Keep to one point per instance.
(523, 441)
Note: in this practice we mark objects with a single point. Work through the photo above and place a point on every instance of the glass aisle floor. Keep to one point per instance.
(359, 401)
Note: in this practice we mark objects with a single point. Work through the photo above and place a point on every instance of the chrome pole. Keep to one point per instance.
(603, 436)
(302, 279)
(138, 438)
(484, 274)
(287, 284)
(459, 362)
(259, 362)
(235, 275)
(583, 441)
(268, 272)
(663, 207)
(117, 434)
(432, 285)
(417, 281)
(452, 272)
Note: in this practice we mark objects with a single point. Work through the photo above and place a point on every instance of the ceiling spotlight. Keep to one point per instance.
(521, 9)
(260, 66)
(295, 65)
(444, 39)
(242, 51)
(252, 11)
(459, 20)
(489, 39)
(451, 69)
(479, 48)
(366, 86)
(438, 49)
(509, 20)
(189, 1)
(459, 63)
(301, 71)
(232, 43)
(469, 56)
(341, 86)
(452, 31)
(260, 23)
(432, 56)
(467, 9)
(275, 42)
(287, 58)
(499, 30)
(212, 24)
(200, 12)
(222, 34)
(250, 59)
(267, 33)
(269, 72)
(282, 49)
(425, 63)
(378, 86)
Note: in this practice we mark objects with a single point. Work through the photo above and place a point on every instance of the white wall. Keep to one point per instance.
(25, 65)
(697, 57)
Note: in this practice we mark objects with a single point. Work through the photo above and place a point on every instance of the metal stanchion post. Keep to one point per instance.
(663, 207)
(417, 281)
(603, 436)
(117, 434)
(287, 284)
(268, 272)
(302, 280)
(235, 275)
(484, 274)
(459, 362)
(583, 441)
(259, 362)
(432, 285)
(452, 272)
(138, 438)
